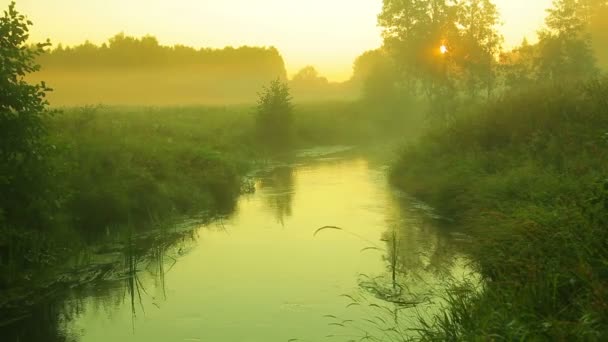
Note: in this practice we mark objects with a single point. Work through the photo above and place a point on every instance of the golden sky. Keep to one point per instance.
(328, 34)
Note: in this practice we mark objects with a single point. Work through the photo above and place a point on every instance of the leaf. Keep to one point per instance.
(371, 248)
(325, 228)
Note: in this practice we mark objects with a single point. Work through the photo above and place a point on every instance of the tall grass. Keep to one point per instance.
(526, 176)
(116, 163)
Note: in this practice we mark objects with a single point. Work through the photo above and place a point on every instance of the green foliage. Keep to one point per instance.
(22, 131)
(123, 51)
(274, 116)
(121, 165)
(376, 74)
(568, 47)
(525, 175)
(415, 30)
(595, 13)
(307, 85)
(473, 66)
(565, 47)
(140, 71)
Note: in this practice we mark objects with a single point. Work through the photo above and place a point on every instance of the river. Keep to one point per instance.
(267, 273)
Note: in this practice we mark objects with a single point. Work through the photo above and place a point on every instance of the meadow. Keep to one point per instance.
(128, 166)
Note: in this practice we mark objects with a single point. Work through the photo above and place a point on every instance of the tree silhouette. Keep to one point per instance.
(274, 116)
(22, 129)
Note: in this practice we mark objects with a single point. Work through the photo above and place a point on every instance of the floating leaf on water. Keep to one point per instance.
(371, 248)
(325, 228)
(349, 297)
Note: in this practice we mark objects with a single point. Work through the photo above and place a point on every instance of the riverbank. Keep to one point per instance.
(262, 268)
(119, 170)
(526, 176)
(115, 172)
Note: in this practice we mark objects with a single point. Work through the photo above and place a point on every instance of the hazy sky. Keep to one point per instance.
(328, 34)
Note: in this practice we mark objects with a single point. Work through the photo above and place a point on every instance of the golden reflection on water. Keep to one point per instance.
(262, 274)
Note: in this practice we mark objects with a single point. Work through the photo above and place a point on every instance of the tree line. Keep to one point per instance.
(450, 51)
(123, 51)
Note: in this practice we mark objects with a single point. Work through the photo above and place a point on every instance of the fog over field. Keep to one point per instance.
(378, 170)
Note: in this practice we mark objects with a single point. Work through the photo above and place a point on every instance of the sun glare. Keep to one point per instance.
(443, 49)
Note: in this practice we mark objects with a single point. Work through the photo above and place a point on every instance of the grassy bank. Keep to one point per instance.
(126, 167)
(116, 167)
(121, 164)
(525, 175)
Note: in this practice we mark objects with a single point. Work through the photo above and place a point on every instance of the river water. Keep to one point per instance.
(267, 273)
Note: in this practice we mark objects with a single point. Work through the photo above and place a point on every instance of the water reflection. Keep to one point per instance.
(422, 259)
(126, 272)
(245, 278)
(424, 246)
(278, 183)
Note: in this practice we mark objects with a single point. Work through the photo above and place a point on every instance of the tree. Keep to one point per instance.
(518, 67)
(594, 13)
(442, 48)
(274, 116)
(413, 32)
(565, 45)
(309, 76)
(375, 74)
(22, 129)
(480, 44)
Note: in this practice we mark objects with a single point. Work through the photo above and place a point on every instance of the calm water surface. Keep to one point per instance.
(262, 274)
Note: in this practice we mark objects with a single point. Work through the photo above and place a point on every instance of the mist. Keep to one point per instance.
(452, 188)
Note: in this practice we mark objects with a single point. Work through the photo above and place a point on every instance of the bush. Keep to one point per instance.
(274, 116)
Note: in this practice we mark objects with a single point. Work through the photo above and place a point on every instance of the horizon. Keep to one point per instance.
(331, 45)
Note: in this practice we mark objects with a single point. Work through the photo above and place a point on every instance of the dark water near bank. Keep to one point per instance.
(262, 274)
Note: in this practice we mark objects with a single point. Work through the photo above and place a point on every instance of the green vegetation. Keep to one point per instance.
(127, 166)
(117, 167)
(518, 160)
(152, 74)
(125, 52)
(274, 116)
(526, 176)
(123, 164)
(514, 150)
(149, 73)
(23, 148)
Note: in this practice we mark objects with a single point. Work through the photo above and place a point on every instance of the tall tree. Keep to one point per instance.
(594, 14)
(22, 129)
(375, 74)
(439, 46)
(481, 43)
(565, 45)
(413, 32)
(517, 68)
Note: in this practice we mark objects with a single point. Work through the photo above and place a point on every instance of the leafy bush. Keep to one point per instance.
(274, 116)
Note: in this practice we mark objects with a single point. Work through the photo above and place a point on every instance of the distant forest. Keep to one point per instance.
(127, 52)
(130, 71)
(134, 71)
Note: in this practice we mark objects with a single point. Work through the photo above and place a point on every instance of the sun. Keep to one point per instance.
(443, 49)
